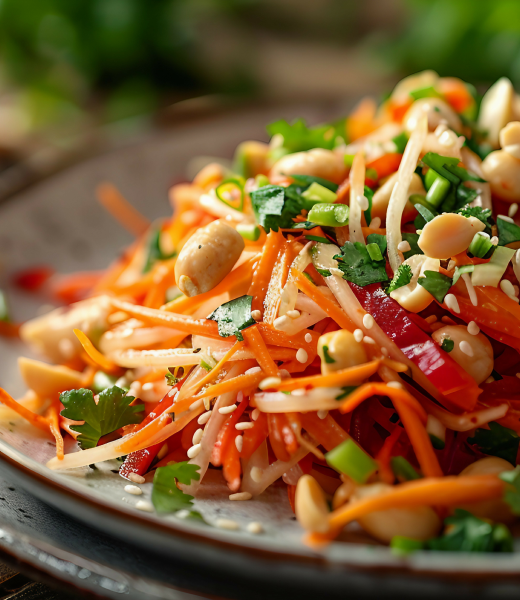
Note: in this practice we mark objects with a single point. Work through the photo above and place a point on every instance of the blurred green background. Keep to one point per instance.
(68, 66)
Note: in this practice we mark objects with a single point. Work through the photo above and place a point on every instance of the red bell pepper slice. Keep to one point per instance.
(458, 388)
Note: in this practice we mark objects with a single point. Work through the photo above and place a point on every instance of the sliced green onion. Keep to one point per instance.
(420, 199)
(480, 245)
(425, 213)
(317, 238)
(207, 362)
(438, 190)
(319, 193)
(425, 92)
(437, 443)
(436, 430)
(349, 159)
(447, 344)
(4, 309)
(374, 251)
(438, 162)
(261, 180)
(402, 469)
(228, 185)
(400, 142)
(102, 381)
(350, 459)
(461, 270)
(328, 358)
(401, 545)
(249, 232)
(329, 215)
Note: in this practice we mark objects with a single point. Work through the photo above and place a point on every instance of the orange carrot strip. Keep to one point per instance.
(231, 467)
(71, 288)
(262, 273)
(28, 415)
(114, 202)
(94, 353)
(9, 329)
(502, 300)
(54, 426)
(333, 310)
(218, 367)
(253, 437)
(384, 455)
(325, 431)
(256, 343)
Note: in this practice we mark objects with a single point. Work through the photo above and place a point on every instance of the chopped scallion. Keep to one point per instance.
(480, 245)
(319, 193)
(329, 215)
(350, 459)
(374, 252)
(249, 232)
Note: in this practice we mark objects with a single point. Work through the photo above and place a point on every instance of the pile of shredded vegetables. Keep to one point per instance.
(337, 314)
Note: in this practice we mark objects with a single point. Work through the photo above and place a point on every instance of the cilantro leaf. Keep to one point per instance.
(233, 316)
(358, 267)
(112, 411)
(275, 206)
(328, 358)
(402, 277)
(166, 496)
(297, 137)
(369, 195)
(380, 240)
(497, 441)
(447, 344)
(436, 283)
(482, 214)
(307, 180)
(412, 239)
(467, 533)
(346, 391)
(512, 493)
(507, 232)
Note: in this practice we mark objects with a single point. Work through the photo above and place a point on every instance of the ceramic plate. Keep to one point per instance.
(58, 223)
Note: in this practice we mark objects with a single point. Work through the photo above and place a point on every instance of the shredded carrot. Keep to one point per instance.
(241, 382)
(33, 418)
(94, 353)
(275, 423)
(226, 435)
(231, 468)
(325, 431)
(211, 376)
(383, 456)
(54, 425)
(76, 286)
(263, 270)
(253, 437)
(255, 341)
(114, 202)
(163, 279)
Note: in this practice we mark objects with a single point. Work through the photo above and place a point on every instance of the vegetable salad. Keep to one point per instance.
(337, 314)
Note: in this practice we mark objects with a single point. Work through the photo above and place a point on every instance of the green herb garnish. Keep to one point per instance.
(497, 441)
(233, 317)
(447, 344)
(436, 283)
(358, 267)
(166, 496)
(402, 277)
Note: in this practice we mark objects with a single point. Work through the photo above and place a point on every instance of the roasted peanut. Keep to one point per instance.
(310, 505)
(448, 234)
(48, 380)
(414, 297)
(207, 257)
(502, 170)
(318, 163)
(341, 348)
(510, 138)
(496, 109)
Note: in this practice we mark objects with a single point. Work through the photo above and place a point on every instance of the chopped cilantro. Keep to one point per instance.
(358, 267)
(425, 213)
(447, 344)
(400, 142)
(327, 357)
(412, 239)
(436, 283)
(497, 441)
(402, 469)
(323, 272)
(308, 180)
(166, 496)
(380, 240)
(317, 238)
(438, 163)
(112, 411)
(402, 277)
(305, 225)
(512, 493)
(297, 137)
(233, 316)
(171, 379)
(508, 233)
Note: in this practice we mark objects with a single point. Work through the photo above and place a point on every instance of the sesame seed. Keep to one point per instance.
(256, 314)
(239, 442)
(194, 451)
(173, 392)
(182, 514)
(197, 436)
(293, 314)
(466, 348)
(255, 414)
(431, 319)
(395, 384)
(322, 414)
(473, 328)
(133, 489)
(368, 340)
(505, 218)
(404, 246)
(375, 223)
(281, 322)
(256, 474)
(254, 527)
(204, 417)
(384, 351)
(226, 524)
(269, 382)
(512, 210)
(368, 321)
(147, 386)
(241, 496)
(144, 506)
(452, 303)
(363, 202)
(136, 478)
(226, 410)
(302, 356)
(242, 426)
(308, 338)
(197, 404)
(490, 379)
(358, 335)
(507, 287)
(419, 231)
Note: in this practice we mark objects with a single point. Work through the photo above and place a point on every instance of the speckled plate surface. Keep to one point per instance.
(58, 222)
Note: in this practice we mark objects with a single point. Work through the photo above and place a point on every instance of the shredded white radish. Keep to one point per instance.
(311, 400)
(516, 265)
(399, 196)
(132, 334)
(191, 387)
(174, 357)
(290, 291)
(218, 349)
(357, 191)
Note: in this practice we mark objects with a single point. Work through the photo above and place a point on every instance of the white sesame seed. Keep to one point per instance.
(466, 348)
(255, 414)
(144, 506)
(363, 202)
(358, 335)
(173, 392)
(507, 287)
(197, 404)
(446, 139)
(384, 351)
(293, 314)
(182, 514)
(494, 240)
(404, 246)
(473, 328)
(431, 319)
(281, 322)
(197, 436)
(256, 474)
(226, 524)
(395, 384)
(256, 314)
(241, 496)
(147, 386)
(452, 303)
(368, 321)
(375, 223)
(136, 478)
(302, 356)
(419, 231)
(204, 417)
(162, 452)
(269, 382)
(194, 451)
(490, 379)
(512, 210)
(255, 527)
(239, 443)
(308, 338)
(133, 489)
(322, 414)
(368, 340)
(243, 426)
(505, 218)
(226, 410)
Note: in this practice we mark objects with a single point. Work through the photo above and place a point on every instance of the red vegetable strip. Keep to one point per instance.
(227, 434)
(253, 437)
